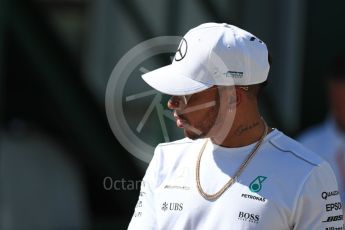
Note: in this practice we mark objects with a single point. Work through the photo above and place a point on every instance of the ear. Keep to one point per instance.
(239, 96)
(234, 99)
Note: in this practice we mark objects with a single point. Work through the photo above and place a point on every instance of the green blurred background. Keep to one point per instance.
(56, 57)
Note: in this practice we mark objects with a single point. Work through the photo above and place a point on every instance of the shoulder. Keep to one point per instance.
(177, 142)
(174, 151)
(304, 166)
(296, 151)
(178, 145)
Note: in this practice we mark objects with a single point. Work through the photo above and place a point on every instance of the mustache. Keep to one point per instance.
(180, 115)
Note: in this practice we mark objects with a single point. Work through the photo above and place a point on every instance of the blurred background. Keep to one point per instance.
(58, 156)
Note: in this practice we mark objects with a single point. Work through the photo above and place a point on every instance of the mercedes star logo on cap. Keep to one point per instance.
(181, 50)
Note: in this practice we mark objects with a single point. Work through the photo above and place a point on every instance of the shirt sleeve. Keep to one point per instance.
(318, 205)
(144, 213)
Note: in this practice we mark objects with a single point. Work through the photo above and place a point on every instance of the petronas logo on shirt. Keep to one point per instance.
(256, 184)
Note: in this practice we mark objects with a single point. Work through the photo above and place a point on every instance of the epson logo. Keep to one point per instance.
(333, 206)
(252, 218)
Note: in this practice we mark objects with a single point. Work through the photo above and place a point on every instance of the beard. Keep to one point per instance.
(203, 128)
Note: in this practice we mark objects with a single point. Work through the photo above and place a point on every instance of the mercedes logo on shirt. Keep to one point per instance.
(181, 50)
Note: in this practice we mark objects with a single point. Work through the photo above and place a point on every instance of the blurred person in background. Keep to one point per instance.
(41, 185)
(328, 139)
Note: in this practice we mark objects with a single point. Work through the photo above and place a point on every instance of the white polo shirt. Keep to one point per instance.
(285, 186)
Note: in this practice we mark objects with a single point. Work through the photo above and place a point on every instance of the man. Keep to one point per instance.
(328, 139)
(231, 171)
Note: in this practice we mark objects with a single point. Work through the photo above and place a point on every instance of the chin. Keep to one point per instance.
(193, 136)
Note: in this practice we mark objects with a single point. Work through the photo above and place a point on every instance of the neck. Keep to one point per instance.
(245, 131)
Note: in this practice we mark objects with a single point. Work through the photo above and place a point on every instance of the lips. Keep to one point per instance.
(180, 122)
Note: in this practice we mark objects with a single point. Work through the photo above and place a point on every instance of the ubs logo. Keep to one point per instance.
(172, 206)
(181, 50)
(248, 217)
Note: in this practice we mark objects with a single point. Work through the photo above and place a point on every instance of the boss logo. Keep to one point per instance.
(333, 206)
(249, 217)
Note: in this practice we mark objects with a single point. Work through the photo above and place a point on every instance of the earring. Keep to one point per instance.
(232, 104)
(231, 108)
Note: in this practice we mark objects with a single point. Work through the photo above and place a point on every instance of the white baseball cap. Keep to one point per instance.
(212, 54)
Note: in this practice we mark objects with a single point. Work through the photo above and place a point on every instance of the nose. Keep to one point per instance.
(174, 102)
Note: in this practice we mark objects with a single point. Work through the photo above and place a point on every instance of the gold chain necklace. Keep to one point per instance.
(232, 180)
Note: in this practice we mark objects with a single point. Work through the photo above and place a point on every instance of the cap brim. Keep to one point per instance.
(168, 81)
